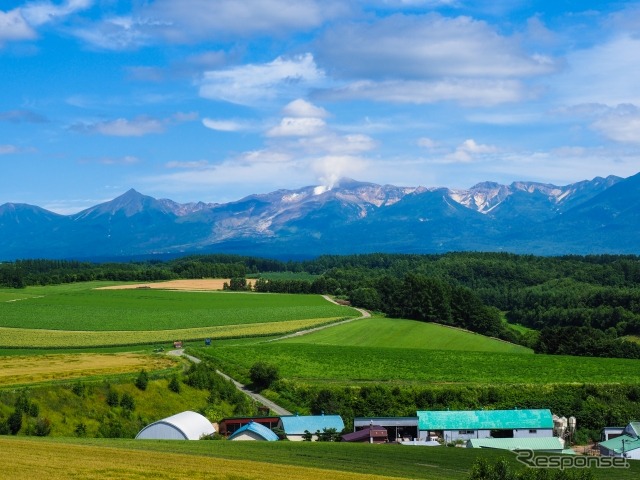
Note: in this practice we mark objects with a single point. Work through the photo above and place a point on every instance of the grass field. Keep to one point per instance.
(98, 458)
(350, 365)
(21, 370)
(398, 333)
(89, 309)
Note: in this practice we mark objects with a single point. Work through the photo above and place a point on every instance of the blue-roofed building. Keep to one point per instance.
(465, 425)
(295, 426)
(253, 431)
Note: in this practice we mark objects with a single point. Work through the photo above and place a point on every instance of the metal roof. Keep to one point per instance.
(386, 421)
(485, 419)
(633, 429)
(186, 425)
(297, 424)
(540, 443)
(256, 428)
(375, 431)
(616, 444)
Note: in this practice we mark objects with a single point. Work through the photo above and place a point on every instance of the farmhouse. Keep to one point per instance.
(254, 431)
(465, 425)
(227, 426)
(398, 428)
(295, 426)
(626, 445)
(182, 426)
(547, 444)
(370, 434)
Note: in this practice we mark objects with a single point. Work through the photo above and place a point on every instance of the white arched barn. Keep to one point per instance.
(182, 426)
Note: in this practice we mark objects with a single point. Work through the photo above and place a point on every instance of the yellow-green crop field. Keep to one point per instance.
(38, 338)
(23, 369)
(28, 459)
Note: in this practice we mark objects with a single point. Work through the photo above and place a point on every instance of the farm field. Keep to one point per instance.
(22, 370)
(65, 458)
(400, 333)
(90, 309)
(81, 315)
(349, 365)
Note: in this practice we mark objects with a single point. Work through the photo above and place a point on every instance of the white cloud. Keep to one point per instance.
(621, 124)
(8, 149)
(195, 165)
(297, 127)
(253, 83)
(419, 47)
(223, 125)
(302, 108)
(604, 74)
(126, 160)
(428, 143)
(470, 149)
(13, 27)
(137, 127)
(468, 92)
(40, 13)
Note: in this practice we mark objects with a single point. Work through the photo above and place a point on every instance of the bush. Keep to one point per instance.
(15, 422)
(263, 374)
(127, 402)
(142, 380)
(42, 427)
(174, 384)
(113, 399)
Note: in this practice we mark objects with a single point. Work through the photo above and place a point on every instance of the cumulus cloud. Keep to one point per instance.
(302, 108)
(470, 149)
(297, 127)
(254, 83)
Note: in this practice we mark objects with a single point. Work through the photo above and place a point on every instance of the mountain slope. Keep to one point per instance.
(595, 216)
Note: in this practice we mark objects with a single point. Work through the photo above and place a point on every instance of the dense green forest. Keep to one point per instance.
(583, 305)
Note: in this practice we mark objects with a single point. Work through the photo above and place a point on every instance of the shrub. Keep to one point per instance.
(15, 422)
(142, 380)
(263, 374)
(127, 402)
(174, 384)
(42, 427)
(113, 399)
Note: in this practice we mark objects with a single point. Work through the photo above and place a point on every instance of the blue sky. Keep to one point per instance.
(213, 100)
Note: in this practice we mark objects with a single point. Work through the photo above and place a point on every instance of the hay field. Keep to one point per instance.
(195, 285)
(30, 459)
(20, 370)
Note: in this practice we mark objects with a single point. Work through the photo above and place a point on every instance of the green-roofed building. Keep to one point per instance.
(626, 445)
(474, 424)
(544, 444)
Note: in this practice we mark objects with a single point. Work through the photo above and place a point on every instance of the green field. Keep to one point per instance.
(348, 365)
(400, 333)
(94, 310)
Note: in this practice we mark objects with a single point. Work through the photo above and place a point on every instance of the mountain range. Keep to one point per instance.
(589, 217)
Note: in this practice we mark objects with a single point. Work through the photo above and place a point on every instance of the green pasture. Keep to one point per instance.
(400, 333)
(349, 365)
(71, 308)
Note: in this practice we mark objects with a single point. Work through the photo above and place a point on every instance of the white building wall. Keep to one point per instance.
(533, 433)
(161, 431)
(454, 435)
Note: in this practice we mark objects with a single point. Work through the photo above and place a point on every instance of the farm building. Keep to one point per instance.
(548, 444)
(182, 426)
(370, 434)
(398, 428)
(295, 426)
(230, 425)
(609, 433)
(253, 431)
(465, 425)
(626, 445)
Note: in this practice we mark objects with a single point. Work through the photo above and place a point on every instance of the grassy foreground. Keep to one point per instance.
(71, 458)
